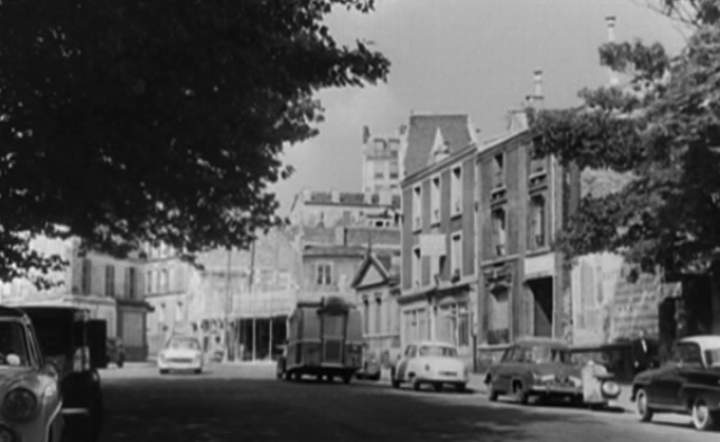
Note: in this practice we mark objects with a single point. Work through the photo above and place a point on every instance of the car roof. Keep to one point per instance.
(703, 340)
(430, 342)
(539, 340)
(11, 312)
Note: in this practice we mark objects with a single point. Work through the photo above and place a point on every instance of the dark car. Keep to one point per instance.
(543, 368)
(689, 383)
(116, 351)
(75, 344)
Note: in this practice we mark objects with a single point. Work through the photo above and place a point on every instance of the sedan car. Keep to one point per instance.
(182, 353)
(689, 383)
(30, 404)
(430, 362)
(543, 368)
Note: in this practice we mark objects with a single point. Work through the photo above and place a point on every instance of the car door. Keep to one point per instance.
(504, 370)
(410, 352)
(667, 385)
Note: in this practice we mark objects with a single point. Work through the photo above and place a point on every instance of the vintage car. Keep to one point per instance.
(430, 362)
(370, 368)
(30, 408)
(75, 344)
(181, 353)
(689, 383)
(542, 368)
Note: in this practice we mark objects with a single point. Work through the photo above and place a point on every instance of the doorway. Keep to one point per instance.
(542, 306)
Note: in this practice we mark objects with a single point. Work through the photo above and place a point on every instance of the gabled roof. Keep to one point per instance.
(422, 134)
(381, 262)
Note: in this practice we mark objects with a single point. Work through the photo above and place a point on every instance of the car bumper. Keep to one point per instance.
(443, 379)
(180, 365)
(559, 390)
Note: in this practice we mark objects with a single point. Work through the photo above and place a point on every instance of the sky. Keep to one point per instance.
(473, 57)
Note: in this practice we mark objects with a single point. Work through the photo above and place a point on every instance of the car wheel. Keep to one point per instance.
(492, 393)
(198, 371)
(642, 409)
(287, 375)
(460, 388)
(416, 385)
(163, 371)
(346, 378)
(121, 361)
(438, 386)
(703, 419)
(520, 394)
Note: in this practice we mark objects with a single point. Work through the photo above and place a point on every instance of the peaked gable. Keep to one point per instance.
(370, 272)
(423, 131)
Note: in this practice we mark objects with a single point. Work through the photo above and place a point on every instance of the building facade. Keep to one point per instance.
(523, 201)
(332, 208)
(377, 288)
(438, 289)
(381, 162)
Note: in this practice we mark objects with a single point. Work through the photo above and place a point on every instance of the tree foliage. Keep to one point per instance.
(662, 130)
(126, 121)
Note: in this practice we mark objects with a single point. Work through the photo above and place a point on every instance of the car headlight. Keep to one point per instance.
(610, 389)
(19, 404)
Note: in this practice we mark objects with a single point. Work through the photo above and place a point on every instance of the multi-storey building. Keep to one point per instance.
(333, 208)
(439, 234)
(381, 165)
(108, 288)
(523, 201)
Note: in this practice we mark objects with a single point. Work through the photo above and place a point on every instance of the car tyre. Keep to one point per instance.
(520, 394)
(347, 378)
(197, 371)
(703, 419)
(492, 393)
(438, 386)
(121, 361)
(163, 371)
(642, 409)
(416, 385)
(460, 388)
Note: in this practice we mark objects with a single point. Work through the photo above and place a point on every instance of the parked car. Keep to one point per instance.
(181, 353)
(543, 368)
(116, 351)
(30, 399)
(689, 383)
(430, 362)
(75, 344)
(370, 367)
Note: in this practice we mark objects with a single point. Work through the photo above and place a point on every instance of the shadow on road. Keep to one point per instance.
(217, 410)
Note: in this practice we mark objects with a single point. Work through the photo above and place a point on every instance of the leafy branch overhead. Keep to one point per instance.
(658, 134)
(131, 121)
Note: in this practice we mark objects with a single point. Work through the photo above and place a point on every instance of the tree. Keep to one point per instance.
(662, 132)
(131, 121)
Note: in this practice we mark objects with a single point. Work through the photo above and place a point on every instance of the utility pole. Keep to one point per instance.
(250, 290)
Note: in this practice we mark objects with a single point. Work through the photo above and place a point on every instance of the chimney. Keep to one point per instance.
(537, 97)
(610, 21)
(402, 129)
(365, 134)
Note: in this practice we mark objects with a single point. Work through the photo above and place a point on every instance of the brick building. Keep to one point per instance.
(438, 290)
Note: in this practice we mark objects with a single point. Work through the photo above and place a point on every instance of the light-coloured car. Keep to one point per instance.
(430, 362)
(30, 400)
(182, 353)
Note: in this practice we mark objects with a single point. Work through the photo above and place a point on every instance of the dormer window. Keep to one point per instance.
(441, 149)
(498, 171)
(417, 208)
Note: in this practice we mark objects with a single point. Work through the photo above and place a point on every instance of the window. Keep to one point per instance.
(499, 225)
(537, 221)
(437, 266)
(378, 314)
(379, 175)
(498, 316)
(456, 254)
(417, 208)
(435, 200)
(86, 276)
(323, 274)
(366, 316)
(456, 191)
(537, 164)
(109, 280)
(453, 324)
(394, 174)
(149, 282)
(164, 281)
(416, 267)
(498, 171)
(687, 353)
(130, 282)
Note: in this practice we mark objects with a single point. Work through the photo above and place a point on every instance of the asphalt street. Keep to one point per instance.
(247, 403)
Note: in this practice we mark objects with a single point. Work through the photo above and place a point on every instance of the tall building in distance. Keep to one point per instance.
(381, 164)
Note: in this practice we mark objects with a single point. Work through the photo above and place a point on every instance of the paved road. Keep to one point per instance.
(245, 403)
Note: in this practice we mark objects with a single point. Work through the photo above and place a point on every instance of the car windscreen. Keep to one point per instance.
(687, 353)
(13, 342)
(437, 350)
(184, 343)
